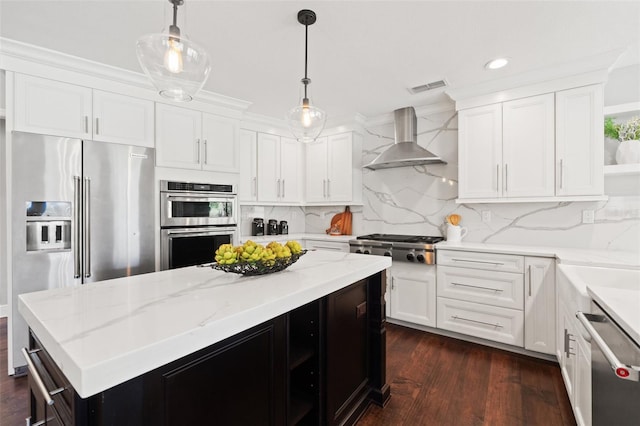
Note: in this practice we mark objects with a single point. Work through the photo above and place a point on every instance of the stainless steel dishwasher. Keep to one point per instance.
(615, 369)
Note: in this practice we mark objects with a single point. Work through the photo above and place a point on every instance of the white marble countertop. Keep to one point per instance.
(604, 258)
(298, 237)
(617, 291)
(108, 332)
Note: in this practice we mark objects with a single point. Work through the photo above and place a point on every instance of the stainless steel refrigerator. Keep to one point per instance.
(82, 211)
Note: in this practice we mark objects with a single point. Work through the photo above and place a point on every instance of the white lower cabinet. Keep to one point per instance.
(480, 320)
(573, 350)
(501, 297)
(412, 293)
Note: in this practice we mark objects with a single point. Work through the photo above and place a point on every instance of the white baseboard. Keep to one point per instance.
(4, 311)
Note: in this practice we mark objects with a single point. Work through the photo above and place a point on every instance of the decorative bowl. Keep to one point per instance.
(259, 268)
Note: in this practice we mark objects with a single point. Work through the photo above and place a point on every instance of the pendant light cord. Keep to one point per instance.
(306, 44)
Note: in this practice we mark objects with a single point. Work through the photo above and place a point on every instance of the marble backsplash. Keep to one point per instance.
(416, 200)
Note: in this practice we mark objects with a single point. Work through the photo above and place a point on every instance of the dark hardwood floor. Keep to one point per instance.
(14, 401)
(434, 380)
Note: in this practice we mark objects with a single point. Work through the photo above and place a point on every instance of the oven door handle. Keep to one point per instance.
(200, 232)
(622, 371)
(222, 198)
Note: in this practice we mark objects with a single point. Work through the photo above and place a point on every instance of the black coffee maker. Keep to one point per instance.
(257, 226)
(272, 227)
(283, 227)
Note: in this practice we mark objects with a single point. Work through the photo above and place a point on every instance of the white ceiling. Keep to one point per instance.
(363, 55)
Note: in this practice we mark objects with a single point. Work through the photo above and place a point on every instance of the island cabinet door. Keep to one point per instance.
(239, 383)
(347, 352)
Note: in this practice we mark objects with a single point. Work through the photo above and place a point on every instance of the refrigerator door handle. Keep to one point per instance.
(86, 225)
(76, 222)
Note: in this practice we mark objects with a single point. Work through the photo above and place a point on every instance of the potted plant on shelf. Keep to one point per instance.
(628, 134)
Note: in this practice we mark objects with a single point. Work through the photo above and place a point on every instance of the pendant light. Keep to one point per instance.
(305, 120)
(176, 66)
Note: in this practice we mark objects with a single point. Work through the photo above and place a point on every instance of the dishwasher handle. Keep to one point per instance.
(622, 371)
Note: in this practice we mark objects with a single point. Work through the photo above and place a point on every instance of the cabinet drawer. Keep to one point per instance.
(484, 321)
(494, 288)
(480, 260)
(326, 245)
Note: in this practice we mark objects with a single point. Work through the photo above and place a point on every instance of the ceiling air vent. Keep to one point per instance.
(428, 86)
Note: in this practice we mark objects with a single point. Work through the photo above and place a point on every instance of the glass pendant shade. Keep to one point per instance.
(306, 121)
(176, 66)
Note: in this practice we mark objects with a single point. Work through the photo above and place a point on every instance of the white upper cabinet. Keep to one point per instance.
(52, 108)
(580, 141)
(178, 137)
(527, 147)
(122, 119)
(61, 109)
(329, 171)
(537, 148)
(190, 139)
(219, 143)
(248, 186)
(480, 152)
(279, 172)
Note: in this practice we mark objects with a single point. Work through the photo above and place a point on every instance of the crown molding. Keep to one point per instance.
(27, 58)
(596, 67)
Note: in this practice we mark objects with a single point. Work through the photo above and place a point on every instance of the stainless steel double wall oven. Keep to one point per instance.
(195, 219)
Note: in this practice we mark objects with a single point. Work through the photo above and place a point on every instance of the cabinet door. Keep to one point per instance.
(290, 170)
(582, 398)
(52, 108)
(580, 141)
(268, 167)
(340, 165)
(178, 133)
(316, 171)
(248, 187)
(413, 294)
(122, 119)
(528, 147)
(568, 364)
(480, 152)
(219, 144)
(540, 304)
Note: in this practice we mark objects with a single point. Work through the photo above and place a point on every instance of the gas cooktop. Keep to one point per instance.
(395, 238)
(405, 248)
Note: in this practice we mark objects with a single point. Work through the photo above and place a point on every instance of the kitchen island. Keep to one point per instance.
(198, 345)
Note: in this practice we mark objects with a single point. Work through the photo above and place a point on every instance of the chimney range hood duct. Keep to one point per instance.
(405, 151)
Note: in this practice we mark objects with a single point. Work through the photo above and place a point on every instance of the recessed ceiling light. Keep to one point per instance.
(496, 63)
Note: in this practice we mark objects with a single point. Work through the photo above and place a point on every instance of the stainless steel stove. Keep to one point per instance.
(406, 248)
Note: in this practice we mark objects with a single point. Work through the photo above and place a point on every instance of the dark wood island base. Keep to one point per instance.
(320, 364)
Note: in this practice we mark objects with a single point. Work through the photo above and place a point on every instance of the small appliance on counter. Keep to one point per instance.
(257, 227)
(283, 227)
(272, 227)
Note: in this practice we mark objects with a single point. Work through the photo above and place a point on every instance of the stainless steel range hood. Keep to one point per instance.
(405, 151)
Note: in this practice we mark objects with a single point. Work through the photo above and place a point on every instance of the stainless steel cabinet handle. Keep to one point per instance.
(324, 188)
(255, 186)
(393, 283)
(568, 338)
(498, 177)
(478, 261)
(506, 177)
(479, 287)
(529, 280)
(278, 188)
(328, 188)
(205, 151)
(97, 126)
(86, 124)
(197, 150)
(86, 224)
(622, 371)
(561, 173)
(496, 325)
(77, 219)
(283, 188)
(36, 376)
